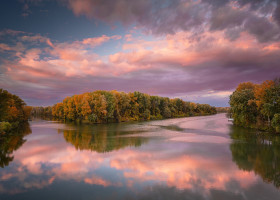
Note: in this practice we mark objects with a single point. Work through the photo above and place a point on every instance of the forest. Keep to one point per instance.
(113, 106)
(257, 105)
(13, 112)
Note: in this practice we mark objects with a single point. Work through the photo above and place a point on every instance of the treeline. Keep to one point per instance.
(13, 111)
(257, 105)
(223, 109)
(39, 111)
(113, 106)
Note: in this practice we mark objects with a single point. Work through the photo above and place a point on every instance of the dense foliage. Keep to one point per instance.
(223, 109)
(42, 112)
(113, 106)
(12, 111)
(257, 105)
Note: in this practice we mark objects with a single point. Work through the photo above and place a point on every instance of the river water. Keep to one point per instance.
(186, 158)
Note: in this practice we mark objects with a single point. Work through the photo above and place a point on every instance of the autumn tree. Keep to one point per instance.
(256, 105)
(13, 111)
(113, 106)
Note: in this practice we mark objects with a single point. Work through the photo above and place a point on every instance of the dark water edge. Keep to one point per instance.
(184, 158)
(79, 121)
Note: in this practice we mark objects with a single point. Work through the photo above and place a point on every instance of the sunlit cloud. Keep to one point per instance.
(201, 46)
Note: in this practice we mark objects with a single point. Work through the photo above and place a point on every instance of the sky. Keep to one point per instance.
(196, 50)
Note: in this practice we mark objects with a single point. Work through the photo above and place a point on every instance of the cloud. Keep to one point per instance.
(149, 14)
(37, 39)
(191, 46)
(226, 17)
(93, 42)
(169, 17)
(276, 14)
(5, 47)
(171, 66)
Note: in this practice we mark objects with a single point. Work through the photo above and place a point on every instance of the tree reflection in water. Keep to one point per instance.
(11, 142)
(259, 152)
(102, 138)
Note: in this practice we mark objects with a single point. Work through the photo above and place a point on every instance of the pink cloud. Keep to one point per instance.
(93, 42)
(5, 47)
(74, 59)
(180, 56)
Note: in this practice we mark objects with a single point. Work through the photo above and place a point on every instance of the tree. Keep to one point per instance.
(85, 108)
(113, 106)
(243, 107)
(256, 105)
(12, 111)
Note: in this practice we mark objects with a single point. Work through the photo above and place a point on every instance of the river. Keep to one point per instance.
(185, 158)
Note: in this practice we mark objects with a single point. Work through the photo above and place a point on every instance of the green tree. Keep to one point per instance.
(256, 105)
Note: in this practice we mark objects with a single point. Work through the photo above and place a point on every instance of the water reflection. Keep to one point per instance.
(102, 138)
(258, 152)
(134, 161)
(11, 142)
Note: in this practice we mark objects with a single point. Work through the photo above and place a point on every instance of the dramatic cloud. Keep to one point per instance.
(175, 65)
(259, 18)
(195, 50)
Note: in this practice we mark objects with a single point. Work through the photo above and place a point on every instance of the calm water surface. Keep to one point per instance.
(186, 158)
